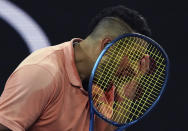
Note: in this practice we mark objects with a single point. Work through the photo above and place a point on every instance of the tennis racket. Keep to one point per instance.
(127, 80)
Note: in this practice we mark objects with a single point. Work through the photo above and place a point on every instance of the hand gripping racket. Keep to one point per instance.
(127, 80)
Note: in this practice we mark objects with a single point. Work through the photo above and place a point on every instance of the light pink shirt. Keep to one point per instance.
(45, 93)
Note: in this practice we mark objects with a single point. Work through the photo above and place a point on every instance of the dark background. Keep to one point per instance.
(66, 19)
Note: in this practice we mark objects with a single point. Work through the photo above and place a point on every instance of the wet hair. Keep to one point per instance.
(131, 17)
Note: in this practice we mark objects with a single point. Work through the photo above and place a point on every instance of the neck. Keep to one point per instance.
(83, 58)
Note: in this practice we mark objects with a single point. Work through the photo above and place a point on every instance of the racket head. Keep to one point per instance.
(163, 54)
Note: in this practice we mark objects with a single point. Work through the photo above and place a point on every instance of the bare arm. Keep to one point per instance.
(3, 128)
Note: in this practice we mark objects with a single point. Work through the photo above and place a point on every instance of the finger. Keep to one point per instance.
(96, 89)
(109, 95)
(123, 63)
(143, 61)
(106, 110)
(147, 62)
(144, 64)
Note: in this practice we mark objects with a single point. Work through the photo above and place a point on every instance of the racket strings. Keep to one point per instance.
(107, 70)
(129, 109)
(123, 55)
(134, 64)
(109, 75)
(148, 90)
(104, 76)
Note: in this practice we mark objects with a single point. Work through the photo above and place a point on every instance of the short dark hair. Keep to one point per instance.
(135, 20)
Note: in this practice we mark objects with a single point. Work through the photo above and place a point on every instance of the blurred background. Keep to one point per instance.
(27, 25)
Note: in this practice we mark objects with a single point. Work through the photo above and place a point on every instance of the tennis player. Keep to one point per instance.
(48, 90)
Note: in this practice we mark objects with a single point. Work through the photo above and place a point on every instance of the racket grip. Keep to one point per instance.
(121, 128)
(91, 127)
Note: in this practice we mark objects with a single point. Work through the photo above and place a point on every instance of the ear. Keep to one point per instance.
(105, 41)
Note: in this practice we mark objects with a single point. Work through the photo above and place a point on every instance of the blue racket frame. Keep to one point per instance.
(92, 108)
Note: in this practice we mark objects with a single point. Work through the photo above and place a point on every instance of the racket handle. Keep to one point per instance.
(91, 119)
(121, 128)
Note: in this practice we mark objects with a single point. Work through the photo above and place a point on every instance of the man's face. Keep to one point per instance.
(122, 64)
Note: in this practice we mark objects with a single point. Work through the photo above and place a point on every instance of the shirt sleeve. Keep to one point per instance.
(25, 95)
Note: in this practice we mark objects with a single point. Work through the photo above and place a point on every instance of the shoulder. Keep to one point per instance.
(30, 80)
(49, 58)
(34, 76)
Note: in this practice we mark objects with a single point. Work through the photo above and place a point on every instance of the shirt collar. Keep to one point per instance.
(70, 64)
